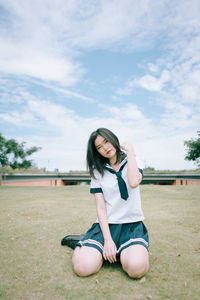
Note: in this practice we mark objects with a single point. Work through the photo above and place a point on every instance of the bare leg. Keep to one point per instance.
(86, 261)
(135, 261)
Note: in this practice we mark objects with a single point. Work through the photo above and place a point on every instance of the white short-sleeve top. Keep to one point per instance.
(119, 211)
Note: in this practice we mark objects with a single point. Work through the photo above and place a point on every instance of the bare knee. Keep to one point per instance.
(136, 269)
(81, 267)
(85, 264)
(135, 261)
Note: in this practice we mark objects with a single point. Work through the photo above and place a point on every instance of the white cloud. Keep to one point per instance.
(188, 85)
(157, 146)
(127, 90)
(31, 43)
(179, 117)
(128, 113)
(64, 91)
(65, 148)
(17, 118)
(177, 89)
(43, 39)
(152, 83)
(111, 22)
(55, 115)
(147, 82)
(153, 68)
(24, 59)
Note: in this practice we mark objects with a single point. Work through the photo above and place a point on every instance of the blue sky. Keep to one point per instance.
(69, 67)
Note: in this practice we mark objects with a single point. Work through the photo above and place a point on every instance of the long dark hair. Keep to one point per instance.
(96, 160)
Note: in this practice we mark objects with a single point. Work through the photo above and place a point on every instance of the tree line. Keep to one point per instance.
(15, 154)
(193, 149)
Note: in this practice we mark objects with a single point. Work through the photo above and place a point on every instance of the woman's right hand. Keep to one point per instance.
(110, 251)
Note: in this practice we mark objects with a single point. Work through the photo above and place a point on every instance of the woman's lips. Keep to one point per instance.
(108, 152)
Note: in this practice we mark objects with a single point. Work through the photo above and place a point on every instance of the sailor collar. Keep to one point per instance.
(121, 183)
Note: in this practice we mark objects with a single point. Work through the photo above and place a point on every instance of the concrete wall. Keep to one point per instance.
(50, 182)
(186, 182)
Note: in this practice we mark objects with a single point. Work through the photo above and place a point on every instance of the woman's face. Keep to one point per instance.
(104, 147)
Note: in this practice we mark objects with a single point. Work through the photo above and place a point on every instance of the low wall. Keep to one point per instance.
(57, 182)
(186, 182)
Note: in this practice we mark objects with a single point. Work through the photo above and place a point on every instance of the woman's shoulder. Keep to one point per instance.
(97, 174)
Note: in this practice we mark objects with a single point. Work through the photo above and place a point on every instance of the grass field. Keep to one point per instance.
(33, 264)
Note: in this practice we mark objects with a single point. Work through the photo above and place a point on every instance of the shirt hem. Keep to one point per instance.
(123, 221)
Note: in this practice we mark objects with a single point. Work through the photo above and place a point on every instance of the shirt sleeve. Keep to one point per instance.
(95, 186)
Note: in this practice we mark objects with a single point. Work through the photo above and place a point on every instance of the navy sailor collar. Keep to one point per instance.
(121, 183)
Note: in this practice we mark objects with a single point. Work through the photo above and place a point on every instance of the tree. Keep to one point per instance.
(14, 154)
(193, 149)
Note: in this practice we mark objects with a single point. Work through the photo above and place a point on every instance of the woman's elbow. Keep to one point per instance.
(135, 183)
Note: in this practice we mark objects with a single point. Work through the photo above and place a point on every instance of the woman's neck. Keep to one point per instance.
(113, 163)
(112, 160)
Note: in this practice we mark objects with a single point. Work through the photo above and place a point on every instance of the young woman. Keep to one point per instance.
(119, 230)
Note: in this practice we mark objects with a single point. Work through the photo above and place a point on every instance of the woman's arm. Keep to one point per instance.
(110, 250)
(134, 176)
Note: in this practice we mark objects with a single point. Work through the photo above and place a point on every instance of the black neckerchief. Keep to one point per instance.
(121, 183)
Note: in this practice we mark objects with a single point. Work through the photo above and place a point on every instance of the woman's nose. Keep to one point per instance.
(105, 147)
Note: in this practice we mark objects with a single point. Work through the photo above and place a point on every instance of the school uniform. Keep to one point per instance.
(124, 212)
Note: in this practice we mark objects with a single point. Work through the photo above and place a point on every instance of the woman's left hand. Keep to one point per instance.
(127, 147)
(110, 250)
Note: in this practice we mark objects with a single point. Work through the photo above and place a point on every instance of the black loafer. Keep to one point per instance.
(71, 240)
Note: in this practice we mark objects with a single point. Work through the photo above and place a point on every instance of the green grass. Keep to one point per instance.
(33, 264)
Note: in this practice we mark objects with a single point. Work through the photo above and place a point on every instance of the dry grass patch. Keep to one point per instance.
(35, 266)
